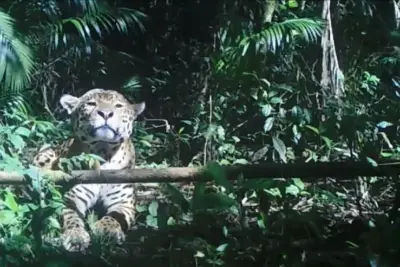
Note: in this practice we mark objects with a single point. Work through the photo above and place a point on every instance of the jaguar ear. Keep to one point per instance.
(69, 102)
(138, 108)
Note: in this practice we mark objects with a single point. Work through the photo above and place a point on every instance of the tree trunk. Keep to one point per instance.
(332, 80)
(269, 9)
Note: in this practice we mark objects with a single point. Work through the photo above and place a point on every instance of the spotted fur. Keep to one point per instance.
(102, 123)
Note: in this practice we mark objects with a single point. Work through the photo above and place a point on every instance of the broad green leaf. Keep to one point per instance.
(327, 141)
(293, 190)
(153, 207)
(315, 130)
(293, 4)
(10, 201)
(299, 183)
(384, 124)
(276, 100)
(7, 217)
(145, 143)
(17, 141)
(171, 221)
(141, 208)
(151, 221)
(266, 110)
(275, 192)
(265, 81)
(259, 154)
(269, 122)
(23, 131)
(222, 247)
(372, 162)
(241, 161)
(236, 139)
(280, 148)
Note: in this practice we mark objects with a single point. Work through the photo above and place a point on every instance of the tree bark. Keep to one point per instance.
(269, 9)
(332, 80)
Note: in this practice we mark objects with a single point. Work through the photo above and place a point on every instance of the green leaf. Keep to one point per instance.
(265, 81)
(23, 131)
(145, 143)
(276, 100)
(148, 137)
(222, 247)
(241, 161)
(315, 130)
(141, 208)
(299, 183)
(10, 201)
(372, 162)
(293, 4)
(17, 141)
(7, 217)
(293, 190)
(217, 173)
(384, 124)
(269, 122)
(171, 221)
(151, 221)
(153, 207)
(266, 110)
(280, 148)
(275, 192)
(260, 223)
(236, 139)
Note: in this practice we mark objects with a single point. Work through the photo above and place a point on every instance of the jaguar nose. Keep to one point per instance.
(105, 114)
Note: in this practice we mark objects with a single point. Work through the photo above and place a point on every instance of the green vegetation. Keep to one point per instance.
(230, 82)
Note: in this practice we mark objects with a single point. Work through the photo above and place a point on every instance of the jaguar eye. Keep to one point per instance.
(118, 105)
(91, 104)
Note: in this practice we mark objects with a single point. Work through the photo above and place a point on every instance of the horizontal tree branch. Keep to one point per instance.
(306, 171)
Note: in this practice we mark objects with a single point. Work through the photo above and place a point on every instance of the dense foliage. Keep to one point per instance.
(231, 82)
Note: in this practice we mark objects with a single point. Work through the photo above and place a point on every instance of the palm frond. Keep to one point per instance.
(132, 84)
(16, 59)
(92, 26)
(271, 39)
(279, 34)
(12, 101)
(85, 6)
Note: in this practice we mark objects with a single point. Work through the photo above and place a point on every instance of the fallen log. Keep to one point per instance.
(305, 171)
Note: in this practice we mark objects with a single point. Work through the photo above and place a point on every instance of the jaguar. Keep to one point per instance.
(102, 122)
